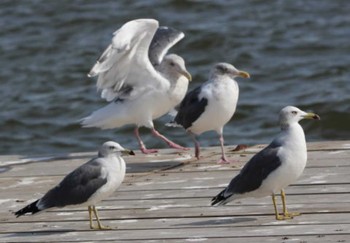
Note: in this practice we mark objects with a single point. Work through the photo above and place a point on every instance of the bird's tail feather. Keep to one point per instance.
(31, 208)
(110, 116)
(172, 124)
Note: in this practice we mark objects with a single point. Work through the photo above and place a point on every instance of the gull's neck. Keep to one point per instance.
(107, 155)
(177, 81)
(216, 76)
(178, 90)
(293, 134)
(114, 162)
(171, 76)
(220, 78)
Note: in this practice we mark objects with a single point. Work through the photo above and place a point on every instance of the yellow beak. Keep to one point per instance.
(243, 74)
(127, 152)
(311, 115)
(187, 75)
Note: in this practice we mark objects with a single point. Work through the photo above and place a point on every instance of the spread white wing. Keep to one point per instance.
(124, 68)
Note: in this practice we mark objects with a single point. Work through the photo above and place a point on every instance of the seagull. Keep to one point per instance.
(90, 183)
(275, 167)
(139, 80)
(211, 105)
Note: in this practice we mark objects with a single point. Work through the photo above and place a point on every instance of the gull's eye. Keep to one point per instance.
(111, 147)
(222, 69)
(172, 64)
(294, 112)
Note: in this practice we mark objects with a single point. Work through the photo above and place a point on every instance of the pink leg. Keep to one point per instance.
(223, 159)
(170, 143)
(142, 145)
(196, 146)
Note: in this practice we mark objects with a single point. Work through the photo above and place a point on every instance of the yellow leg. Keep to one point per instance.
(100, 226)
(90, 217)
(278, 217)
(284, 204)
(285, 215)
(91, 210)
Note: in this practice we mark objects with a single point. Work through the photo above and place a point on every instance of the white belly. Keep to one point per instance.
(288, 173)
(139, 111)
(115, 177)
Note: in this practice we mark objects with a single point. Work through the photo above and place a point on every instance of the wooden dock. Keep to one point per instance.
(166, 198)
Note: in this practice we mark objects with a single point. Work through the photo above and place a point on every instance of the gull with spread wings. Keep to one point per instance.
(139, 79)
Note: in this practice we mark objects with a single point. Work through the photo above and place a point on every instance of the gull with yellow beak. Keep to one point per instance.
(139, 80)
(211, 105)
(87, 185)
(275, 167)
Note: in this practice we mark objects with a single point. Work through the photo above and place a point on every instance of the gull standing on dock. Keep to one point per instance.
(138, 79)
(87, 185)
(275, 167)
(211, 106)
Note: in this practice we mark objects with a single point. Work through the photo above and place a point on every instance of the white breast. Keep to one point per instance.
(178, 91)
(115, 173)
(222, 101)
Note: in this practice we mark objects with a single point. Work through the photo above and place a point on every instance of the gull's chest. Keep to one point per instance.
(226, 92)
(294, 162)
(114, 172)
(178, 91)
(293, 156)
(222, 98)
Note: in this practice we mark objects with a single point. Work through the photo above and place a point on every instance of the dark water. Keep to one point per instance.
(297, 52)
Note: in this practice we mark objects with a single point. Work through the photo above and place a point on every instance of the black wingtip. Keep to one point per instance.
(215, 200)
(31, 208)
(218, 199)
(18, 213)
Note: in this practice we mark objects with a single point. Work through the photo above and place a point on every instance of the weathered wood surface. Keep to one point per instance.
(166, 198)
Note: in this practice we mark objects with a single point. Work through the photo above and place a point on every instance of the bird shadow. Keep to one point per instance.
(40, 233)
(220, 221)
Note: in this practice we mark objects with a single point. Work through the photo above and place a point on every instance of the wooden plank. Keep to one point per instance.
(180, 222)
(240, 208)
(172, 159)
(135, 193)
(227, 171)
(189, 207)
(63, 167)
(315, 159)
(173, 233)
(166, 199)
(169, 189)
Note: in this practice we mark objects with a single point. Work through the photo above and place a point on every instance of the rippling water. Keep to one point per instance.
(297, 52)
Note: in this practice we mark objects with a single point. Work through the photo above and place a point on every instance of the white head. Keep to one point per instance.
(173, 66)
(223, 68)
(110, 147)
(291, 114)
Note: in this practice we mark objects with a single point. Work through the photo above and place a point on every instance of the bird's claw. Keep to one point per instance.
(224, 160)
(287, 215)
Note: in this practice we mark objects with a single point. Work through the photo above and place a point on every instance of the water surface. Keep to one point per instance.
(297, 53)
